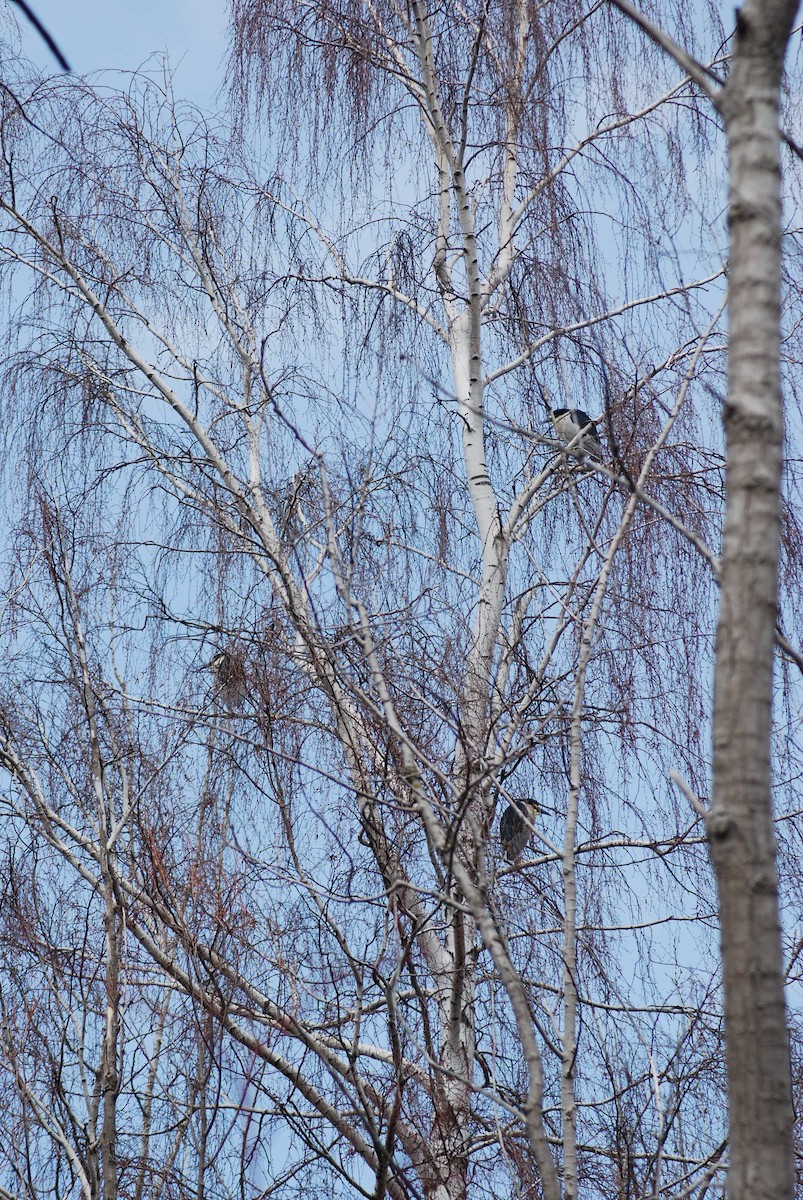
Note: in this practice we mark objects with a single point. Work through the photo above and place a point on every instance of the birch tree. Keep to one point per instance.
(293, 408)
(740, 821)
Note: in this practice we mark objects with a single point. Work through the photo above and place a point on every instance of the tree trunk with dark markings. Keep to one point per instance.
(740, 823)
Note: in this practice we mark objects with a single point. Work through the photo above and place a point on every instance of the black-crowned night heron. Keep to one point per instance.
(295, 519)
(571, 422)
(515, 827)
(230, 681)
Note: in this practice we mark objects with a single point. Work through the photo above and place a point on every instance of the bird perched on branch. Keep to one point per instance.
(295, 519)
(572, 425)
(230, 681)
(515, 827)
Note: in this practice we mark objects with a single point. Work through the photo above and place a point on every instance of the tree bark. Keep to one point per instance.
(740, 822)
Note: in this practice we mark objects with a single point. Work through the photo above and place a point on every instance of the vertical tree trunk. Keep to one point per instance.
(109, 1068)
(740, 824)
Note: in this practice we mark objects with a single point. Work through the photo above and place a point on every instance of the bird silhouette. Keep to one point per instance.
(575, 427)
(231, 684)
(515, 827)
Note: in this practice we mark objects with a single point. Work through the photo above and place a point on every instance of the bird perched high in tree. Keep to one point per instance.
(575, 428)
(516, 827)
(230, 681)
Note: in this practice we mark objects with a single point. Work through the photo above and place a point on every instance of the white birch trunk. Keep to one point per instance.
(740, 823)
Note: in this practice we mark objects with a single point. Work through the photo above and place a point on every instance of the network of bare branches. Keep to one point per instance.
(302, 590)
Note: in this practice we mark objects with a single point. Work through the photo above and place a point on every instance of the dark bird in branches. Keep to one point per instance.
(516, 827)
(577, 430)
(230, 681)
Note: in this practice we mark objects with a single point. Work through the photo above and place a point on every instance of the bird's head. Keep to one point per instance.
(526, 806)
(216, 662)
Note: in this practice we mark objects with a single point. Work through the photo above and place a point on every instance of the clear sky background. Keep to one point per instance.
(97, 35)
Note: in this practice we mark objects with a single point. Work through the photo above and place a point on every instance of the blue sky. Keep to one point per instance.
(96, 35)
